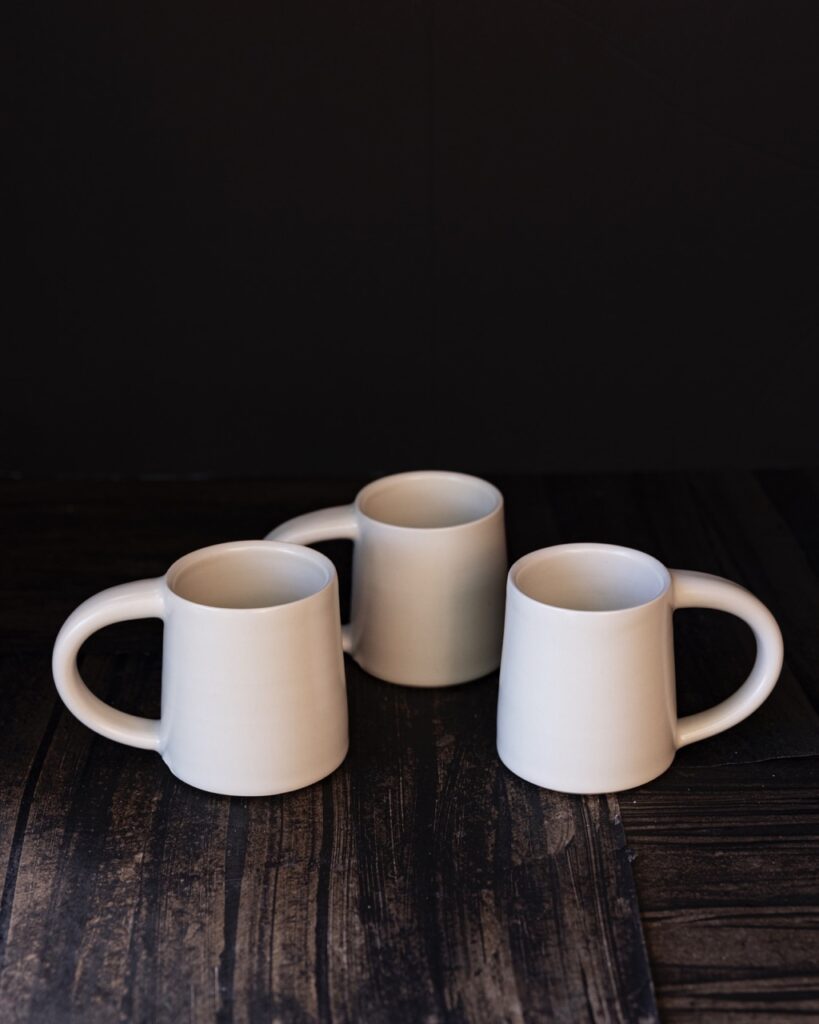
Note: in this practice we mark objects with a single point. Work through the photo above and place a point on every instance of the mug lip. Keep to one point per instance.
(421, 474)
(541, 554)
(237, 546)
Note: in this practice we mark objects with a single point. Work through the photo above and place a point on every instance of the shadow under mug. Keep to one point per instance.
(253, 692)
(587, 700)
(429, 573)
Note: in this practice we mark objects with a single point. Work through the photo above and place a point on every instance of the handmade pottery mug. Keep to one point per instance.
(587, 701)
(429, 570)
(253, 691)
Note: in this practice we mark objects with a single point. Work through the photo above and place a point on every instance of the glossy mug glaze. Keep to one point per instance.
(587, 700)
(429, 572)
(253, 692)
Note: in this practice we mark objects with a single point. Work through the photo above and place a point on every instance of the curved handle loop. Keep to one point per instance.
(140, 600)
(336, 523)
(701, 590)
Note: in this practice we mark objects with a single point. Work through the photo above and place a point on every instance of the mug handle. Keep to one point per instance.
(702, 590)
(140, 600)
(336, 523)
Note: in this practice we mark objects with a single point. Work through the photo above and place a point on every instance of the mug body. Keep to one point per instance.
(587, 699)
(429, 569)
(253, 691)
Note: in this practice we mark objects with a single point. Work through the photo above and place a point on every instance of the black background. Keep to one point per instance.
(339, 238)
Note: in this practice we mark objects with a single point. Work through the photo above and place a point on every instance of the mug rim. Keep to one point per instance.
(236, 546)
(418, 474)
(541, 554)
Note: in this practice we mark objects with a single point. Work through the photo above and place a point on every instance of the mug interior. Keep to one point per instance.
(591, 577)
(256, 574)
(428, 500)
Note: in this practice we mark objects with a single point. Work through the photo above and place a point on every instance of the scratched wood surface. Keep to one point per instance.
(422, 881)
(727, 861)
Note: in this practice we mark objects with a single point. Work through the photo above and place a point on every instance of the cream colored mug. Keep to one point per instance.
(429, 571)
(253, 692)
(587, 700)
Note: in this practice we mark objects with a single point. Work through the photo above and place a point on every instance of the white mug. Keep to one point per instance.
(587, 700)
(253, 692)
(429, 570)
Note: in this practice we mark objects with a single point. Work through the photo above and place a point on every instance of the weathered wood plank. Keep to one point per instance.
(118, 894)
(421, 881)
(727, 868)
(30, 716)
(728, 858)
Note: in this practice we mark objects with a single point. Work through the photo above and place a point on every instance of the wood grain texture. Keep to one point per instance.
(422, 881)
(727, 867)
(727, 859)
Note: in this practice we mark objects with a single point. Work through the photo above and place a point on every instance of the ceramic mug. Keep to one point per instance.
(429, 570)
(587, 701)
(253, 692)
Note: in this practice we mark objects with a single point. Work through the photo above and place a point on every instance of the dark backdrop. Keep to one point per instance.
(349, 237)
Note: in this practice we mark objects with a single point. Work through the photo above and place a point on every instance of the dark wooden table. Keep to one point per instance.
(422, 881)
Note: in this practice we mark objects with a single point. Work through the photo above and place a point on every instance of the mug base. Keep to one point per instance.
(432, 683)
(257, 789)
(584, 787)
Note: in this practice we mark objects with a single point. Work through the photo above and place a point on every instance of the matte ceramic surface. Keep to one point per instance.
(253, 691)
(587, 699)
(429, 570)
